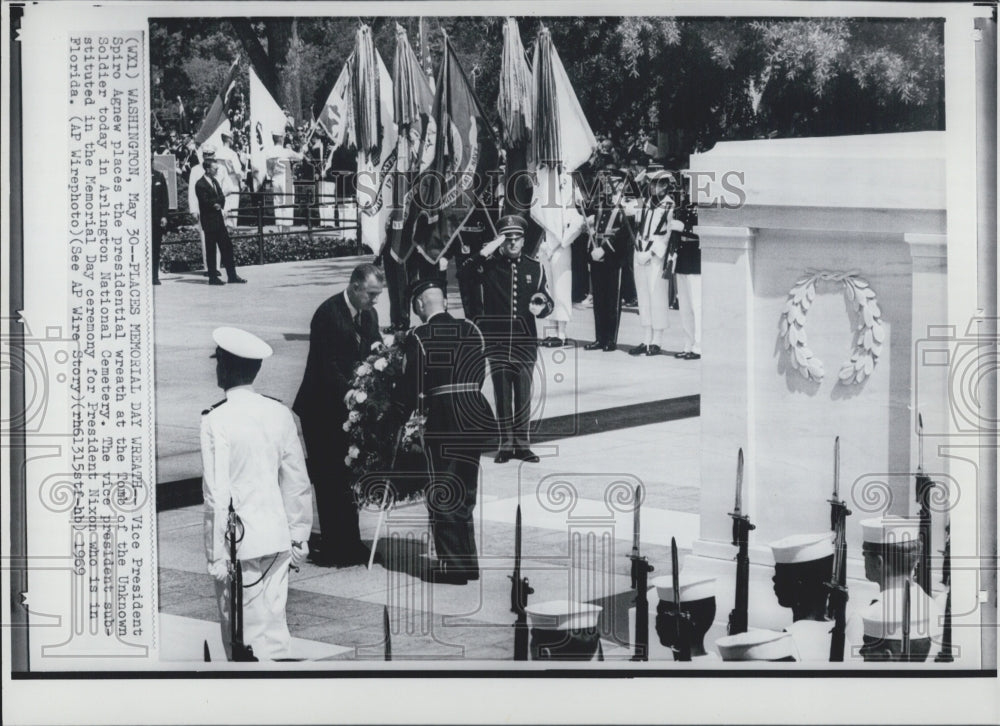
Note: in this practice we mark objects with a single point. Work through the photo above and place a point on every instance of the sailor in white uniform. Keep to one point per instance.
(252, 459)
(891, 550)
(697, 599)
(803, 564)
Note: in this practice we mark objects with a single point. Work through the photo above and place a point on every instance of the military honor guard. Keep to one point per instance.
(803, 564)
(684, 262)
(904, 623)
(564, 630)
(758, 645)
(655, 223)
(514, 294)
(685, 629)
(252, 464)
(609, 241)
(445, 374)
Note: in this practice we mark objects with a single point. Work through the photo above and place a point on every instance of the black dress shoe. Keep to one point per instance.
(681, 355)
(653, 350)
(503, 456)
(215, 281)
(596, 345)
(526, 455)
(552, 342)
(609, 347)
(639, 350)
(693, 356)
(236, 279)
(156, 281)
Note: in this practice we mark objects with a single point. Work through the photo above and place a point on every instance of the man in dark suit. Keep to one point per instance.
(514, 294)
(160, 206)
(445, 373)
(211, 202)
(341, 336)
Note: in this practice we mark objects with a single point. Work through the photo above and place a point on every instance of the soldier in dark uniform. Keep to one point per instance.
(445, 373)
(610, 241)
(514, 294)
(476, 231)
(160, 207)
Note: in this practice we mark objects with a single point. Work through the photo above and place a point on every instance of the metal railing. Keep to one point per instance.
(306, 216)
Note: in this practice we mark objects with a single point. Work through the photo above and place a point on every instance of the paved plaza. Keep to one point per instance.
(606, 421)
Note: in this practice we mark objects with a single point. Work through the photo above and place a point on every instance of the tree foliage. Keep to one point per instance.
(695, 80)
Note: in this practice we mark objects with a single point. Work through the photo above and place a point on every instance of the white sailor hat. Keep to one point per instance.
(660, 175)
(241, 343)
(799, 548)
(883, 619)
(563, 615)
(757, 645)
(207, 151)
(890, 530)
(693, 587)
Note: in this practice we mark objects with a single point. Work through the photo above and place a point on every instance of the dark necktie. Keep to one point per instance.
(357, 326)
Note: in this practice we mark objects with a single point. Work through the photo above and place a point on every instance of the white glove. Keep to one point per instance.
(535, 309)
(443, 264)
(299, 552)
(643, 258)
(219, 569)
(491, 247)
(597, 254)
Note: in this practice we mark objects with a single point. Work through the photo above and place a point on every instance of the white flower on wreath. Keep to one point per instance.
(354, 416)
(388, 340)
(377, 345)
(380, 364)
(353, 452)
(363, 370)
(348, 460)
(360, 396)
(347, 425)
(349, 396)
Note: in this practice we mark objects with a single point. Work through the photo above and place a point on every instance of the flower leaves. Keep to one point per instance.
(867, 343)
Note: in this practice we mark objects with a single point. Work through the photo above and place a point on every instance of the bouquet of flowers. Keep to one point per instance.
(384, 453)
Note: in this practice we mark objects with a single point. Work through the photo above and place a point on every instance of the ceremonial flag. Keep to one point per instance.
(216, 116)
(515, 106)
(562, 141)
(413, 104)
(374, 135)
(465, 150)
(335, 118)
(266, 119)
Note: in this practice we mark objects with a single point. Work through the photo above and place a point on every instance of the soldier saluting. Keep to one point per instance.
(514, 294)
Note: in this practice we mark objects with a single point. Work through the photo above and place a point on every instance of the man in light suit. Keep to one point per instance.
(252, 461)
(341, 335)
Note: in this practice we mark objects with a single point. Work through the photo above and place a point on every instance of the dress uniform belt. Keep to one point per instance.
(453, 388)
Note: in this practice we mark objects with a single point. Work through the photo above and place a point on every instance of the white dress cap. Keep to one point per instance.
(799, 548)
(883, 619)
(563, 615)
(890, 530)
(241, 343)
(693, 587)
(757, 645)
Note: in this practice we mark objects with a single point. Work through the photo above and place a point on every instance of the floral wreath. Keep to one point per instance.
(384, 453)
(870, 331)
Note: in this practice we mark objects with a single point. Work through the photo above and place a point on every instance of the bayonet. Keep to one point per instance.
(388, 634)
(945, 655)
(905, 645)
(519, 591)
(682, 648)
(924, 487)
(837, 586)
(738, 617)
(640, 572)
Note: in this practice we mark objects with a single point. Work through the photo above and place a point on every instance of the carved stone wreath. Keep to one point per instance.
(870, 331)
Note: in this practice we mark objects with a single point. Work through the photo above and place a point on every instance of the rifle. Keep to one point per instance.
(640, 572)
(385, 630)
(836, 609)
(904, 654)
(242, 653)
(519, 591)
(945, 655)
(682, 648)
(924, 485)
(741, 538)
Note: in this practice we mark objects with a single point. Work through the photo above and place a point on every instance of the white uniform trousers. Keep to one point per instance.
(559, 271)
(689, 299)
(265, 593)
(652, 291)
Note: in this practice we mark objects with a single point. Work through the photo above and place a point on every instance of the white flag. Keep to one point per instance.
(266, 118)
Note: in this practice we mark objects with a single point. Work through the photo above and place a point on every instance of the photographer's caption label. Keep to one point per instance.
(107, 497)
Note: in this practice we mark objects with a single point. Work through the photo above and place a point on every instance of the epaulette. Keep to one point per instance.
(214, 406)
(273, 398)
